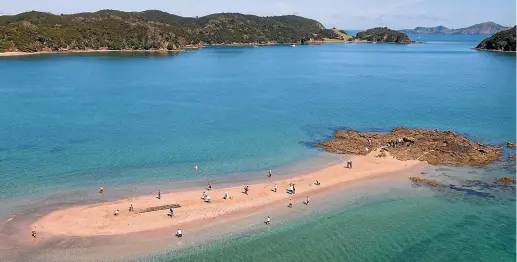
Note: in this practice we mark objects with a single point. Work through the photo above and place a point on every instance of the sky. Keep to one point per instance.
(345, 14)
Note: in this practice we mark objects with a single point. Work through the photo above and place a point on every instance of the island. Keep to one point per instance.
(432, 146)
(503, 41)
(383, 35)
(486, 28)
(152, 30)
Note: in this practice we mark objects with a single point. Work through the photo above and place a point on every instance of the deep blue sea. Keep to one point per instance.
(74, 122)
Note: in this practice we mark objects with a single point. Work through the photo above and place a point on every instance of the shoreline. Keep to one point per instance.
(493, 50)
(187, 48)
(98, 219)
(9, 54)
(20, 246)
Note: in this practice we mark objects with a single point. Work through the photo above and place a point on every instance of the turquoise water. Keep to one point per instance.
(391, 229)
(73, 122)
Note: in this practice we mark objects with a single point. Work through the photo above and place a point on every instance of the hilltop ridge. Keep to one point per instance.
(150, 30)
(486, 28)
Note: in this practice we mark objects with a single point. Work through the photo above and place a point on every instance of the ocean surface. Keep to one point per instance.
(133, 122)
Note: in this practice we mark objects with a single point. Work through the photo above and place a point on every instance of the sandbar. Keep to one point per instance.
(98, 219)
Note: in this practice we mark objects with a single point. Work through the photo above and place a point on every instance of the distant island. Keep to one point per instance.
(152, 30)
(383, 35)
(486, 28)
(503, 41)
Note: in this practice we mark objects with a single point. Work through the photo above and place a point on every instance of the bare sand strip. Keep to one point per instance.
(98, 219)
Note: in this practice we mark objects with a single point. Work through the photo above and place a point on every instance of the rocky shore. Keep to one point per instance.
(432, 146)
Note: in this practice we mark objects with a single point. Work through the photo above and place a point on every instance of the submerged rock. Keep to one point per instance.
(510, 145)
(433, 146)
(506, 180)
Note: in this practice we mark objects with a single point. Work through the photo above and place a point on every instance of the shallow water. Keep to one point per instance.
(70, 123)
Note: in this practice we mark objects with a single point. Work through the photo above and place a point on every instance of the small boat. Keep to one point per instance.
(293, 45)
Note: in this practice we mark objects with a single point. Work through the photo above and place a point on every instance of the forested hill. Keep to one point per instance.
(502, 41)
(153, 29)
(383, 35)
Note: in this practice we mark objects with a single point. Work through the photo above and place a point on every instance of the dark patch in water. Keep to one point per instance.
(26, 147)
(77, 140)
(56, 149)
(471, 191)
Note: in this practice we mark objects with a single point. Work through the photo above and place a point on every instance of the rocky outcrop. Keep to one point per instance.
(506, 180)
(433, 146)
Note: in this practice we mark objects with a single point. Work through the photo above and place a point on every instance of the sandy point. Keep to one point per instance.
(99, 219)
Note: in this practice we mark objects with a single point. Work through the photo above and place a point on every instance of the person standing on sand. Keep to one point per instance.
(159, 194)
(307, 201)
(268, 221)
(179, 233)
(34, 233)
(290, 203)
(275, 187)
(115, 213)
(131, 208)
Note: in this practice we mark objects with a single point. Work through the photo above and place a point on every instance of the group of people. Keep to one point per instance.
(349, 164)
(206, 198)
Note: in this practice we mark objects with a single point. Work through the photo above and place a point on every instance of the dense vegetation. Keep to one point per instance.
(502, 41)
(116, 30)
(383, 34)
(486, 28)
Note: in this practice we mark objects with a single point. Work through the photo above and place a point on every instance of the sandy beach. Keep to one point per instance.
(99, 220)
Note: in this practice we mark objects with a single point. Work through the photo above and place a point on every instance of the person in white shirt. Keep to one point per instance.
(275, 187)
(115, 213)
(268, 220)
(179, 233)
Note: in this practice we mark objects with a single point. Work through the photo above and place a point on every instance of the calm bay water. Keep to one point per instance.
(73, 122)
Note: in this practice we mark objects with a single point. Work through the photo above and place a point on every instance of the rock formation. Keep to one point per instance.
(433, 146)
(506, 180)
